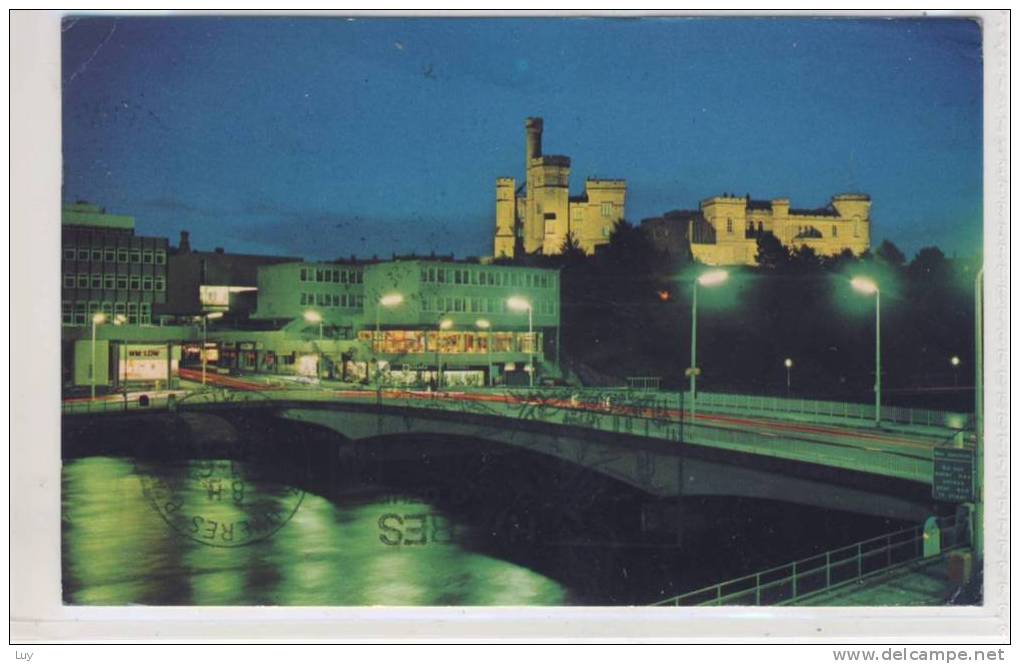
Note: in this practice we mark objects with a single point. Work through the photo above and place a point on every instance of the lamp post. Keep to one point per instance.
(788, 363)
(391, 300)
(955, 362)
(205, 318)
(521, 304)
(444, 324)
(483, 324)
(313, 316)
(98, 318)
(869, 287)
(710, 278)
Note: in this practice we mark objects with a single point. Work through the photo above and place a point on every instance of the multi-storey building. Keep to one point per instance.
(107, 268)
(725, 229)
(414, 314)
(539, 216)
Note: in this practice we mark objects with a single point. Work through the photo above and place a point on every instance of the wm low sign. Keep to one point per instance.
(953, 475)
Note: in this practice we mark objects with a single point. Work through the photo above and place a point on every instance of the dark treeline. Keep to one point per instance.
(627, 312)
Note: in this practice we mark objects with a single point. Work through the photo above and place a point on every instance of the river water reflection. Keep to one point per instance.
(122, 546)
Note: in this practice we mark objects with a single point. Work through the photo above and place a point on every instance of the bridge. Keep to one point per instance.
(824, 454)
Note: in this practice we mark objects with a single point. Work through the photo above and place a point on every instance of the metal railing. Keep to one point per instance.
(835, 409)
(826, 571)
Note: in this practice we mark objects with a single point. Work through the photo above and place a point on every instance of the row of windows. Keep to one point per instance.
(452, 342)
(802, 231)
(110, 281)
(81, 313)
(444, 275)
(478, 305)
(332, 276)
(333, 300)
(115, 255)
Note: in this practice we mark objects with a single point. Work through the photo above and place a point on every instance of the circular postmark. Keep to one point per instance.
(224, 489)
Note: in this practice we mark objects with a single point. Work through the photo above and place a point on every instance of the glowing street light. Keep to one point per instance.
(788, 363)
(869, 287)
(444, 324)
(483, 324)
(707, 279)
(389, 301)
(205, 318)
(521, 304)
(955, 361)
(98, 318)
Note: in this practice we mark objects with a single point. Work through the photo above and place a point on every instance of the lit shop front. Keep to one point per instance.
(450, 342)
(149, 364)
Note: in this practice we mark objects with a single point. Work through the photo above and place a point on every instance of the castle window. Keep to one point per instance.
(857, 227)
(834, 231)
(607, 209)
(729, 225)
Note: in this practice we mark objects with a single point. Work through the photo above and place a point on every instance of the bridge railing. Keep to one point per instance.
(826, 571)
(836, 409)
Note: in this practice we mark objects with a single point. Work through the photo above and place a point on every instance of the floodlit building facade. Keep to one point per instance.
(538, 216)
(725, 229)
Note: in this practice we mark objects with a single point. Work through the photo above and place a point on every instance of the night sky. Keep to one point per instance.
(331, 137)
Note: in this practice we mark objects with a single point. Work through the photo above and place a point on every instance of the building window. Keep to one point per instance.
(160, 257)
(729, 225)
(110, 255)
(160, 283)
(69, 253)
(109, 281)
(108, 309)
(97, 255)
(97, 280)
(83, 280)
(328, 277)
(834, 231)
(136, 255)
(122, 282)
(119, 308)
(304, 300)
(80, 312)
(83, 254)
(69, 281)
(66, 313)
(122, 255)
(147, 283)
(304, 274)
(857, 224)
(147, 257)
(136, 282)
(132, 313)
(93, 309)
(441, 275)
(145, 313)
(607, 209)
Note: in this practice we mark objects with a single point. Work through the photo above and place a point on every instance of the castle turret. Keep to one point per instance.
(532, 140)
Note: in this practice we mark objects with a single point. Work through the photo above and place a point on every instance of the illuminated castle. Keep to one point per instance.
(538, 216)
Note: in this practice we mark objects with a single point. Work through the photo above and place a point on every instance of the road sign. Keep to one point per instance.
(692, 371)
(953, 476)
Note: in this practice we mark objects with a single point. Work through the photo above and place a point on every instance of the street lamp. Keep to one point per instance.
(788, 363)
(483, 324)
(444, 324)
(391, 300)
(521, 304)
(205, 319)
(98, 318)
(313, 316)
(708, 279)
(955, 361)
(869, 287)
